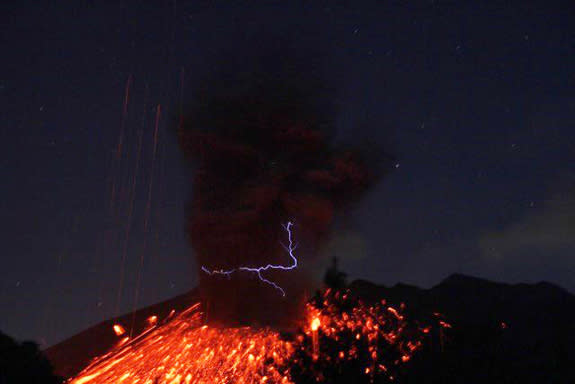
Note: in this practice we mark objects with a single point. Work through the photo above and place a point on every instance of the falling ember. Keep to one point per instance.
(152, 320)
(315, 323)
(341, 335)
(119, 330)
(444, 324)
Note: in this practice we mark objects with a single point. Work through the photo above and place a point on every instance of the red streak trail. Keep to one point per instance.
(119, 147)
(124, 113)
(147, 216)
(150, 186)
(129, 221)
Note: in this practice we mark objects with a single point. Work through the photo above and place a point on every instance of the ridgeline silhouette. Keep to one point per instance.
(24, 363)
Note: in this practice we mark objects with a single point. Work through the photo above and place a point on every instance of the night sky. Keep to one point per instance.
(476, 102)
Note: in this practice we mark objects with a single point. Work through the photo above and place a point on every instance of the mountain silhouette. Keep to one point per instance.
(23, 362)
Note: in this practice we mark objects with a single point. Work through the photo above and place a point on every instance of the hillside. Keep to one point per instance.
(71, 355)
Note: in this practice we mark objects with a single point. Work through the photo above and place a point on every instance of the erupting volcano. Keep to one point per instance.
(262, 148)
(341, 338)
(263, 154)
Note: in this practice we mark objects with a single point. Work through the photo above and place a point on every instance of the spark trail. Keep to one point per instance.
(258, 270)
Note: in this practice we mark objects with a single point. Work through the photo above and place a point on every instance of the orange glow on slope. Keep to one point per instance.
(377, 335)
(337, 331)
(183, 351)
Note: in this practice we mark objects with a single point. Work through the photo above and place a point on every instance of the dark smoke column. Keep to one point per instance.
(262, 156)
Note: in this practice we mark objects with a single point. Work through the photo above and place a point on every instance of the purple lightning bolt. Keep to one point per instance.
(258, 270)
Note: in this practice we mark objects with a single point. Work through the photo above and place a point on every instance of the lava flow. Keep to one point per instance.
(339, 336)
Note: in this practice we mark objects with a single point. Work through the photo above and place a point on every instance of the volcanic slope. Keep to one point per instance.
(496, 332)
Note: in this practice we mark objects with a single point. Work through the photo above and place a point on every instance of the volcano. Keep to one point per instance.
(490, 332)
(341, 337)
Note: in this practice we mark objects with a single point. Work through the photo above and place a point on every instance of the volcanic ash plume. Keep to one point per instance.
(263, 156)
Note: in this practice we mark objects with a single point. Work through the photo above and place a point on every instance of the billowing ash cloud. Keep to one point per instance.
(261, 143)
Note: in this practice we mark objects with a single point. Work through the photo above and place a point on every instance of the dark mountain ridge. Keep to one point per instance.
(501, 333)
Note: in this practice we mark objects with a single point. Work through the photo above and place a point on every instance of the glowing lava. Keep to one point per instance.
(340, 335)
(118, 330)
(184, 351)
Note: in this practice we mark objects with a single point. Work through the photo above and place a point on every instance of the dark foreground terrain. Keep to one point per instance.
(500, 333)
